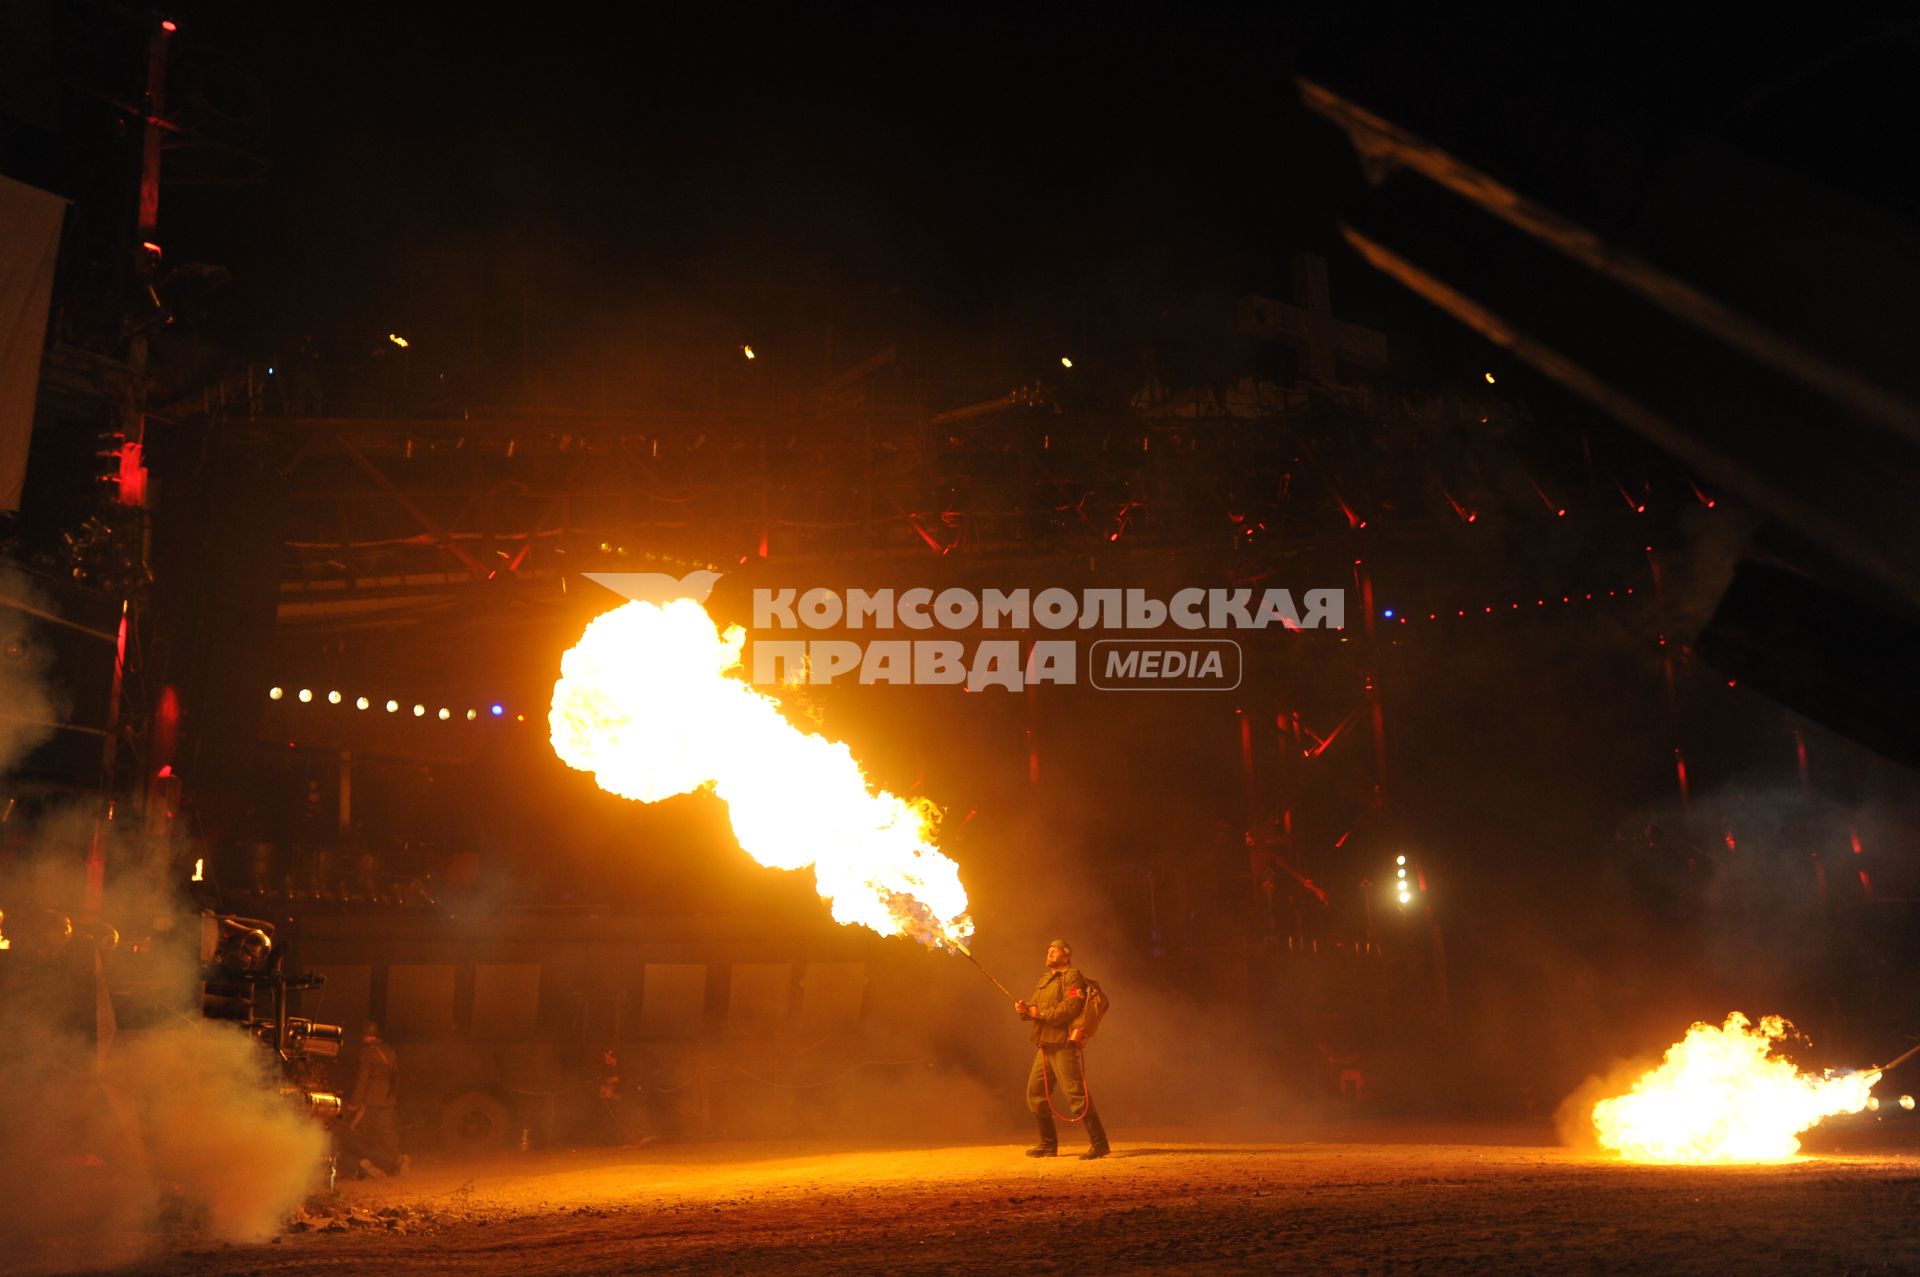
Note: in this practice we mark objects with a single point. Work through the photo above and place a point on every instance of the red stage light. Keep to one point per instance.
(169, 26)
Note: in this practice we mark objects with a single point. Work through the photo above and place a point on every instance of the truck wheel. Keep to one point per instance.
(473, 1123)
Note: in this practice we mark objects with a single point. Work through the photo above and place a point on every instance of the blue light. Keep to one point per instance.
(496, 710)
(1388, 614)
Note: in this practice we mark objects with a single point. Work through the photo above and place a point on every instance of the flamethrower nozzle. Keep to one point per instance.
(1895, 1062)
(966, 953)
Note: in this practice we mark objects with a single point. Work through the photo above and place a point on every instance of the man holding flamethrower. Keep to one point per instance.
(1059, 1011)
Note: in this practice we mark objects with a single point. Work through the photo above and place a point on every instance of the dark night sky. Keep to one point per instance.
(971, 167)
(967, 161)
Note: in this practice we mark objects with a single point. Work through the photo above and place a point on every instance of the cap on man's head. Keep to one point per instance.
(371, 1029)
(1062, 946)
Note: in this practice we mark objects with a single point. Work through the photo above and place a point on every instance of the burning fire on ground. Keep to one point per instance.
(649, 703)
(1721, 1094)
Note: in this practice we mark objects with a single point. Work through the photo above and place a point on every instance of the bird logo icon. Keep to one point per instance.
(658, 587)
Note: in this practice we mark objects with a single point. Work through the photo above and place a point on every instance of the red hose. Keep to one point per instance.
(1047, 1086)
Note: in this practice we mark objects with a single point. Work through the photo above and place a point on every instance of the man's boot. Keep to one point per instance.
(1096, 1138)
(1049, 1145)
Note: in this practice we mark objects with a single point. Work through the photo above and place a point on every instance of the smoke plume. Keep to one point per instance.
(125, 1117)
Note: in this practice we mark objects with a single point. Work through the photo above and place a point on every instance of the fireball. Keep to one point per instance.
(650, 702)
(1721, 1095)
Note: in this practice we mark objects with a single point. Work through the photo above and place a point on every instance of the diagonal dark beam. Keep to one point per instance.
(441, 537)
(1757, 429)
(1386, 144)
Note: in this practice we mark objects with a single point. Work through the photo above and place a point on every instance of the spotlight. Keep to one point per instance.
(333, 698)
(472, 714)
(419, 711)
(1399, 860)
(1388, 614)
(275, 693)
(361, 702)
(1065, 362)
(496, 709)
(306, 694)
(747, 351)
(445, 713)
(1490, 380)
(393, 707)
(1401, 871)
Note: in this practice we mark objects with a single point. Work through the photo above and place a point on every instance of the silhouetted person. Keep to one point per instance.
(372, 1132)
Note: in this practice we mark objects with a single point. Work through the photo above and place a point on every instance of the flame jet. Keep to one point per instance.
(1720, 1095)
(650, 703)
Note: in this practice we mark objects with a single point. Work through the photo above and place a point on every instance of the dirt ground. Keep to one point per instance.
(1354, 1199)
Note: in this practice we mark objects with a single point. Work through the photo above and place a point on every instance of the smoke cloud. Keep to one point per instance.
(125, 1117)
(176, 1130)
